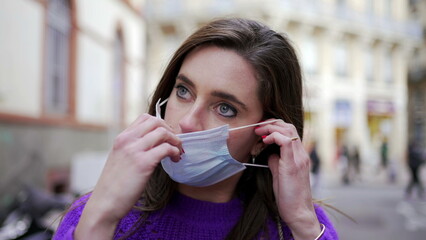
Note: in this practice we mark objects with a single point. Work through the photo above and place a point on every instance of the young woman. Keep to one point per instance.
(227, 161)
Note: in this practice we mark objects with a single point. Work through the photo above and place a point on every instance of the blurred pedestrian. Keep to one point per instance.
(220, 158)
(344, 163)
(315, 167)
(384, 154)
(354, 164)
(357, 161)
(415, 160)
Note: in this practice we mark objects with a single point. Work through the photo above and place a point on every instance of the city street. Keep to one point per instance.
(380, 212)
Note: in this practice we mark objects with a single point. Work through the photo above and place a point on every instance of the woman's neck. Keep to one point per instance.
(220, 192)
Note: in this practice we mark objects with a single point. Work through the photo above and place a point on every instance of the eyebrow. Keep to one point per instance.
(183, 78)
(229, 97)
(220, 94)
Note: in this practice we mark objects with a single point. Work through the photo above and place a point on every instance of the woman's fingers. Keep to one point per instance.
(290, 174)
(140, 119)
(150, 133)
(278, 126)
(165, 149)
(146, 133)
(290, 154)
(158, 136)
(273, 162)
(145, 124)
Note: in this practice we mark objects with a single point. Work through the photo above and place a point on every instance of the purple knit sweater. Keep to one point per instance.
(185, 218)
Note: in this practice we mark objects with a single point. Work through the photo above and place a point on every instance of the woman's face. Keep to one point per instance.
(215, 87)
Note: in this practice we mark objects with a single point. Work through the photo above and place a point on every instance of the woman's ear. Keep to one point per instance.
(257, 147)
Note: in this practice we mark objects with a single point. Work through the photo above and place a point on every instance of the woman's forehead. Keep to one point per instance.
(220, 69)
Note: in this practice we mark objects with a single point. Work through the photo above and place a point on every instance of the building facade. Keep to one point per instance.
(71, 75)
(355, 56)
(417, 82)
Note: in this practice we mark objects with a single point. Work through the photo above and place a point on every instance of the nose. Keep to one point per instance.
(192, 120)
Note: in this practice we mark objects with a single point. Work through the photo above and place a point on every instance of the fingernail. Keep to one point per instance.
(264, 136)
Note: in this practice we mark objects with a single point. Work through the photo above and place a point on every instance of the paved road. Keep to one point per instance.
(380, 211)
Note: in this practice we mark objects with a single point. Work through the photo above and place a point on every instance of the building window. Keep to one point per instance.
(56, 96)
(370, 7)
(388, 9)
(418, 112)
(341, 59)
(368, 65)
(388, 66)
(118, 83)
(342, 113)
(310, 55)
(171, 38)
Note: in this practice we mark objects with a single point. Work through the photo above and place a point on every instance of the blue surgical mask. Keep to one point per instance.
(206, 160)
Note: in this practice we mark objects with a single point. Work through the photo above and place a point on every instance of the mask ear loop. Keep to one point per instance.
(253, 125)
(254, 157)
(253, 164)
(157, 107)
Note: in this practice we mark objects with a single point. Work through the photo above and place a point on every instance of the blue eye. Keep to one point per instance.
(182, 92)
(226, 110)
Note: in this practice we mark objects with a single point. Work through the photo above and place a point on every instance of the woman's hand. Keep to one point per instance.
(291, 183)
(135, 154)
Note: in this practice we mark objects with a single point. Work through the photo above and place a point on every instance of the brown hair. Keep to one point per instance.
(280, 92)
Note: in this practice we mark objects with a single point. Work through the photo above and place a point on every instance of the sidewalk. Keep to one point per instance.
(379, 209)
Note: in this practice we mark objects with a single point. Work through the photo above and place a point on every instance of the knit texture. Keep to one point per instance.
(184, 218)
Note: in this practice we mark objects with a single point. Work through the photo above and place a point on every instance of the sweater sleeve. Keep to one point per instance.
(330, 232)
(69, 222)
